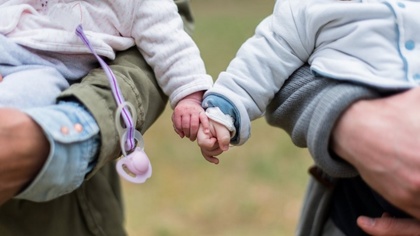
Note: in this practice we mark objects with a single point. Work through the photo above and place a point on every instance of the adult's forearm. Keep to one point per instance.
(24, 140)
(374, 137)
(138, 86)
(381, 139)
(24, 150)
(308, 107)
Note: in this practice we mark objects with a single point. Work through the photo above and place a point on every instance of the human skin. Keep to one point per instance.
(392, 170)
(188, 115)
(24, 150)
(387, 226)
(214, 142)
(381, 138)
(22, 139)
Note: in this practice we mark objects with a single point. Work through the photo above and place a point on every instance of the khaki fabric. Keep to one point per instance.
(93, 209)
(96, 207)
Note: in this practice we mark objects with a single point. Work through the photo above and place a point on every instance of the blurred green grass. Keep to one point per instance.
(257, 188)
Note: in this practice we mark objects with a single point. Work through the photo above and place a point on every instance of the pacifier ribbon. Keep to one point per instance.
(134, 165)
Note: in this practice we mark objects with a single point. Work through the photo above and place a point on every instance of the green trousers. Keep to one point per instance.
(96, 207)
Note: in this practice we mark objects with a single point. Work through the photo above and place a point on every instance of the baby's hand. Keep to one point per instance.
(213, 143)
(187, 116)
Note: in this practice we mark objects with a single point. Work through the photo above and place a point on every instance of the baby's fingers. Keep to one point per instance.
(223, 136)
(186, 123)
(210, 158)
(210, 153)
(205, 140)
(209, 146)
(194, 126)
(204, 121)
(176, 121)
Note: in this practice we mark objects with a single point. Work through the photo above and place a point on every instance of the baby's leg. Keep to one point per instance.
(31, 87)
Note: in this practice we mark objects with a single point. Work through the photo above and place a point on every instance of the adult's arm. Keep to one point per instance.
(24, 149)
(331, 117)
(93, 93)
(380, 138)
(308, 107)
(60, 146)
(138, 86)
(145, 94)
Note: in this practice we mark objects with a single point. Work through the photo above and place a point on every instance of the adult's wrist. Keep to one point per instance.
(347, 130)
(354, 136)
(24, 150)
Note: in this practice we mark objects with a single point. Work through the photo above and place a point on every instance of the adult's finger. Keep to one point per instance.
(389, 226)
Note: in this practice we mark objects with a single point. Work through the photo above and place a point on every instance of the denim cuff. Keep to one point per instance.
(73, 135)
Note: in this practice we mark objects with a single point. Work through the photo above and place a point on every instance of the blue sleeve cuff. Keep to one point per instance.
(74, 140)
(213, 100)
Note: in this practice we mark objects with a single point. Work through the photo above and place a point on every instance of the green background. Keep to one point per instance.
(257, 188)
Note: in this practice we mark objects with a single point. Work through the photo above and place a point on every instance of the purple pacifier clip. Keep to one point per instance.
(134, 167)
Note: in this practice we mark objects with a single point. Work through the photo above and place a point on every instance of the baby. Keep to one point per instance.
(363, 41)
(42, 55)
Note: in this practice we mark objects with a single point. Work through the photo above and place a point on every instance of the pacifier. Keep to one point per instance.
(134, 167)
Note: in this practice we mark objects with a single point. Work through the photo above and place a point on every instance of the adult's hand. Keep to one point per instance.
(381, 139)
(23, 151)
(387, 226)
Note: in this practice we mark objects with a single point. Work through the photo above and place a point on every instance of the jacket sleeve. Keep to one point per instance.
(158, 31)
(139, 87)
(307, 108)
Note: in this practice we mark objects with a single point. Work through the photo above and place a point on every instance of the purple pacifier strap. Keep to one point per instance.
(126, 115)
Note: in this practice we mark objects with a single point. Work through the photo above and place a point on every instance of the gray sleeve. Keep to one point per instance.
(307, 107)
